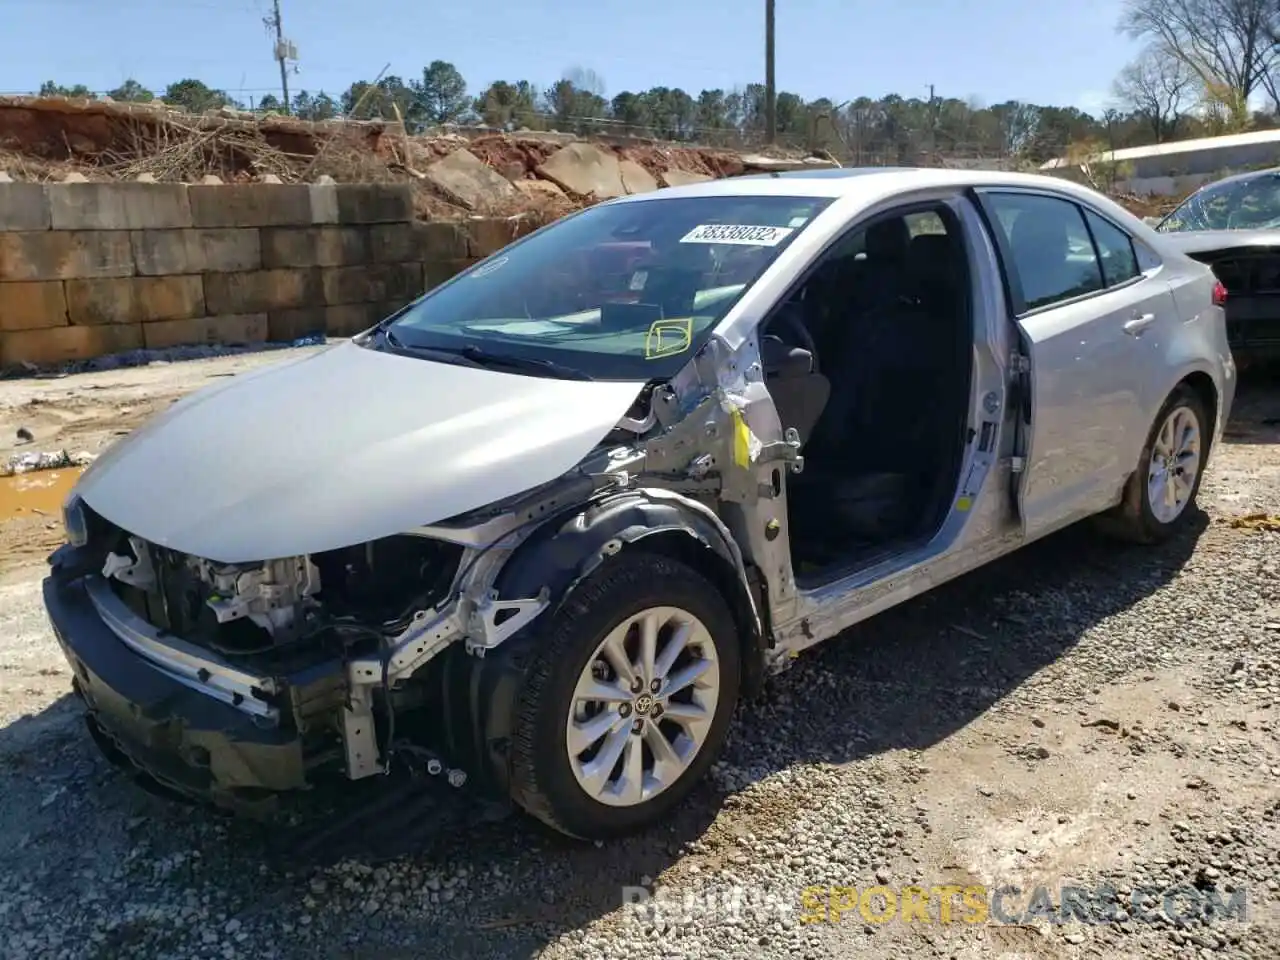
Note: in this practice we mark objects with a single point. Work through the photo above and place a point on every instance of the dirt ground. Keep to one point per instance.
(1077, 714)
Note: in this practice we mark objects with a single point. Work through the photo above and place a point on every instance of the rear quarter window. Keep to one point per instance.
(1148, 259)
(1115, 250)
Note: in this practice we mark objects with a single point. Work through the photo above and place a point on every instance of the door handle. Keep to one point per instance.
(1139, 323)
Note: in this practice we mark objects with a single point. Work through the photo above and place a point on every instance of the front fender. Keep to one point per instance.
(480, 695)
(570, 547)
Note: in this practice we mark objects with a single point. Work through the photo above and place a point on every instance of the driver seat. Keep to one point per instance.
(800, 393)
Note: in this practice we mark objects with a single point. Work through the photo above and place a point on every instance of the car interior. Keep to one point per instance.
(870, 360)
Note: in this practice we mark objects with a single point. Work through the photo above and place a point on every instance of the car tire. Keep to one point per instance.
(572, 791)
(1141, 516)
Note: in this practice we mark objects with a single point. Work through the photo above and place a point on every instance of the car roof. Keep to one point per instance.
(853, 181)
(825, 173)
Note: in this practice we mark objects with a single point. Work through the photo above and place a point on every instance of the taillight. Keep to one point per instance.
(1219, 294)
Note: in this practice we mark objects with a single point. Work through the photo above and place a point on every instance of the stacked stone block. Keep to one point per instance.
(93, 268)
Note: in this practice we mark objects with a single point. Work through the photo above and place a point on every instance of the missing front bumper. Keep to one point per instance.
(181, 738)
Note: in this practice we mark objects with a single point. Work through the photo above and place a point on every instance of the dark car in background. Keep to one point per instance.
(1233, 225)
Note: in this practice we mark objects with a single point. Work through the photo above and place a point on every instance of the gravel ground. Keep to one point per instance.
(1080, 714)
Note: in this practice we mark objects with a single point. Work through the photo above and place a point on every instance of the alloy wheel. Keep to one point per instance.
(1175, 464)
(643, 706)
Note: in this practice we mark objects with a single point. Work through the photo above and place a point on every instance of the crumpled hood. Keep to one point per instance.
(1204, 241)
(340, 448)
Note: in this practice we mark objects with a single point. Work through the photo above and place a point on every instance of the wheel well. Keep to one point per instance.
(479, 697)
(1203, 386)
(722, 574)
(570, 547)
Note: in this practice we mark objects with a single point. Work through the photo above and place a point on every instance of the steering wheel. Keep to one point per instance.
(789, 316)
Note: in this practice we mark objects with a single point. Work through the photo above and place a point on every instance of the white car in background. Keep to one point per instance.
(547, 525)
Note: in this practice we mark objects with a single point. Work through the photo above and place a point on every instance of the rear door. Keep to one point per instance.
(1081, 337)
(1138, 281)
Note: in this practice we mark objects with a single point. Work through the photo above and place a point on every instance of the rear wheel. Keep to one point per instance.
(627, 699)
(1161, 494)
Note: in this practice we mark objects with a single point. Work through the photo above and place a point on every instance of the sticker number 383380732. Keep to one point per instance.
(745, 234)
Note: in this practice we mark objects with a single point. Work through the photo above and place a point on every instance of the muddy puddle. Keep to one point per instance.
(38, 493)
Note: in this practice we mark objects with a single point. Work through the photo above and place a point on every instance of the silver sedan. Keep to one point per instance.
(543, 529)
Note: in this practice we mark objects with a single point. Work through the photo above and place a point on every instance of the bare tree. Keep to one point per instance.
(1227, 44)
(1271, 79)
(586, 80)
(1018, 124)
(1158, 87)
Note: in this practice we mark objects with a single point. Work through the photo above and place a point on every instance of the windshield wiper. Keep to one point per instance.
(484, 358)
(473, 356)
(396, 345)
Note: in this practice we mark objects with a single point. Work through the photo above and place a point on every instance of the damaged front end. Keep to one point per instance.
(237, 682)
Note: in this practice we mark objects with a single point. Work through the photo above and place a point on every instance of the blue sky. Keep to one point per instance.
(995, 50)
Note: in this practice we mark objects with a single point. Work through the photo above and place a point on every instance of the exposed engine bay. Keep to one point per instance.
(249, 609)
(273, 596)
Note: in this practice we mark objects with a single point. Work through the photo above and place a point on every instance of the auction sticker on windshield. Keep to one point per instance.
(751, 236)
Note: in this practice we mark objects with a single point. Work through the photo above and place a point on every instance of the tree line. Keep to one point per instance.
(1202, 69)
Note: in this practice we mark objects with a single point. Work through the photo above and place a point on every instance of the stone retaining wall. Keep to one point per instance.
(93, 268)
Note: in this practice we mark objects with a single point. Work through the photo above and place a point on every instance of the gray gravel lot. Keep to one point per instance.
(1079, 714)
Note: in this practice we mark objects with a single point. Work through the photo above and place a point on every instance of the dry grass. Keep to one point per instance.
(175, 151)
(35, 169)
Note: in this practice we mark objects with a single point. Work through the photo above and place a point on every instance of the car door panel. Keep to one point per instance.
(1083, 404)
(1150, 319)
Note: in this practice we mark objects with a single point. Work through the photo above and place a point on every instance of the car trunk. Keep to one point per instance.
(1252, 278)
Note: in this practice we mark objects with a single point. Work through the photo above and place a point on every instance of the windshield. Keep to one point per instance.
(1252, 203)
(617, 292)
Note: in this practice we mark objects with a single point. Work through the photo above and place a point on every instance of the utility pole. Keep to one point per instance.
(770, 88)
(933, 125)
(284, 49)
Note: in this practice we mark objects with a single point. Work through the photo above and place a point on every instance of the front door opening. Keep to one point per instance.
(882, 405)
